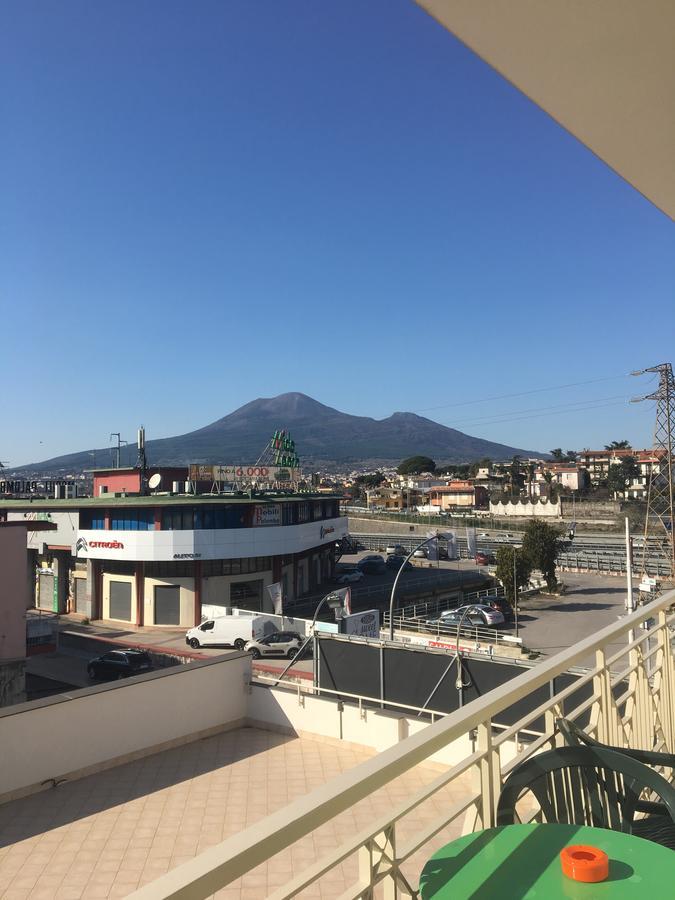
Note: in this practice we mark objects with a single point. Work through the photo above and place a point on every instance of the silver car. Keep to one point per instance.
(281, 643)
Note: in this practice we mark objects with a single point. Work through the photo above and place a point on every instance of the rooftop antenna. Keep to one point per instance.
(142, 462)
(659, 518)
(117, 449)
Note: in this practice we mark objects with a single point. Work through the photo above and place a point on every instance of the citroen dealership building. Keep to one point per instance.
(158, 559)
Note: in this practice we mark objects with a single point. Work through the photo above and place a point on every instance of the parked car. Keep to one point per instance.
(281, 643)
(371, 567)
(395, 562)
(478, 614)
(395, 550)
(503, 605)
(349, 577)
(483, 558)
(371, 558)
(484, 536)
(420, 554)
(119, 664)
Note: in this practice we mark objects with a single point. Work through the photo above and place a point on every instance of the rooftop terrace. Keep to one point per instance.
(192, 782)
(109, 833)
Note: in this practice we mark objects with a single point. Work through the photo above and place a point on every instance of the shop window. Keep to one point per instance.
(246, 595)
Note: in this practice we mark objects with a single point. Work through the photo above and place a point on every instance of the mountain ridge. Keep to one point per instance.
(322, 435)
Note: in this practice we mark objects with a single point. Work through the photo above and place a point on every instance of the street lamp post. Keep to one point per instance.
(515, 588)
(335, 601)
(434, 537)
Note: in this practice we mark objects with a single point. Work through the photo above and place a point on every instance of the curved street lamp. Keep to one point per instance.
(335, 600)
(434, 537)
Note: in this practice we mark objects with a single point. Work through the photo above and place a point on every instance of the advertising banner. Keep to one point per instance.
(366, 624)
(275, 591)
(267, 515)
(249, 474)
(471, 543)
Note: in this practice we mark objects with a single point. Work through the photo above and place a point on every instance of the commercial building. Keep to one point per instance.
(157, 559)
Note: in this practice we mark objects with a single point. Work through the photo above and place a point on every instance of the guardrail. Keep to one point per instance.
(594, 557)
(631, 704)
(430, 607)
(448, 633)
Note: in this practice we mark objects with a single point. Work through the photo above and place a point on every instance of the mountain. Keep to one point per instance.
(322, 435)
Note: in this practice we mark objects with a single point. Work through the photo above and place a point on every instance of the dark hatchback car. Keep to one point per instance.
(395, 563)
(119, 664)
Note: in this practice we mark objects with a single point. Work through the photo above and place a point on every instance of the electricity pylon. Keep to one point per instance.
(659, 517)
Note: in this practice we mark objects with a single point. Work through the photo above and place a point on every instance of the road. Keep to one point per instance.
(590, 603)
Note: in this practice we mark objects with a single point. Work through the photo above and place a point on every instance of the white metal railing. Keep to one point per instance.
(448, 633)
(630, 702)
(429, 607)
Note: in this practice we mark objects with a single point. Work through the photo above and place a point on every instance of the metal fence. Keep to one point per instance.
(42, 631)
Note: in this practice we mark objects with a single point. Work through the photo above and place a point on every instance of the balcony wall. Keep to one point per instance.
(631, 675)
(69, 736)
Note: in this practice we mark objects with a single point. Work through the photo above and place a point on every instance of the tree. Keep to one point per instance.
(414, 465)
(557, 454)
(530, 478)
(620, 474)
(571, 456)
(618, 445)
(541, 547)
(371, 480)
(504, 570)
(516, 477)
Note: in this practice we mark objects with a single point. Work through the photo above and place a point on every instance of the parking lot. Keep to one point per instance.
(590, 602)
(546, 623)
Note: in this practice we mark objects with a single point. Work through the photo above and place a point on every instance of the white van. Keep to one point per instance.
(228, 631)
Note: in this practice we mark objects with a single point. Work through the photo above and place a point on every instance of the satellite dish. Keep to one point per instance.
(155, 481)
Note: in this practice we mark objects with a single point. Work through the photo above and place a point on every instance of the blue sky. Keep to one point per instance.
(207, 203)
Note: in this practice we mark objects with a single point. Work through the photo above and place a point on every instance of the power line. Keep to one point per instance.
(534, 409)
(554, 413)
(556, 387)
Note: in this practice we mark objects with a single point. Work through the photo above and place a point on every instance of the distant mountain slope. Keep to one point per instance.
(321, 434)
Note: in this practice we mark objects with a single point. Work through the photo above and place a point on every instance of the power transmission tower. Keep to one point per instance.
(659, 517)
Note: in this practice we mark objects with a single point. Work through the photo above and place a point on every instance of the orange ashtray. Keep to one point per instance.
(583, 863)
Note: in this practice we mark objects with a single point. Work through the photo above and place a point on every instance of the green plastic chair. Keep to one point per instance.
(576, 737)
(586, 786)
(656, 826)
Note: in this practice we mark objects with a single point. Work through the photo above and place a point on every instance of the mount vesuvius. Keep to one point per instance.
(322, 435)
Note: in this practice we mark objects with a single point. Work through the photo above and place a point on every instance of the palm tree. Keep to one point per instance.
(618, 445)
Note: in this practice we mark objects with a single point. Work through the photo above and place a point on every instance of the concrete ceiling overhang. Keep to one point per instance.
(603, 69)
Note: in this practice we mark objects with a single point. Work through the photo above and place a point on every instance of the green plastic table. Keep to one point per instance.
(523, 861)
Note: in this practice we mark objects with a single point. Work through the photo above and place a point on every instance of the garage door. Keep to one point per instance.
(81, 596)
(46, 591)
(120, 600)
(167, 605)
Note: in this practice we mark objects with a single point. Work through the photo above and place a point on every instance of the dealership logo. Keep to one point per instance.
(325, 531)
(187, 556)
(81, 545)
(107, 545)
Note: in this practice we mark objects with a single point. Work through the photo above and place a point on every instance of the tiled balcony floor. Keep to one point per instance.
(105, 835)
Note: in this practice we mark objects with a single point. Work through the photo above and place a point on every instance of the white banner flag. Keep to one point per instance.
(471, 544)
(276, 595)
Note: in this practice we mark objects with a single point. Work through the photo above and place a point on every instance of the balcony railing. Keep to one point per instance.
(629, 701)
